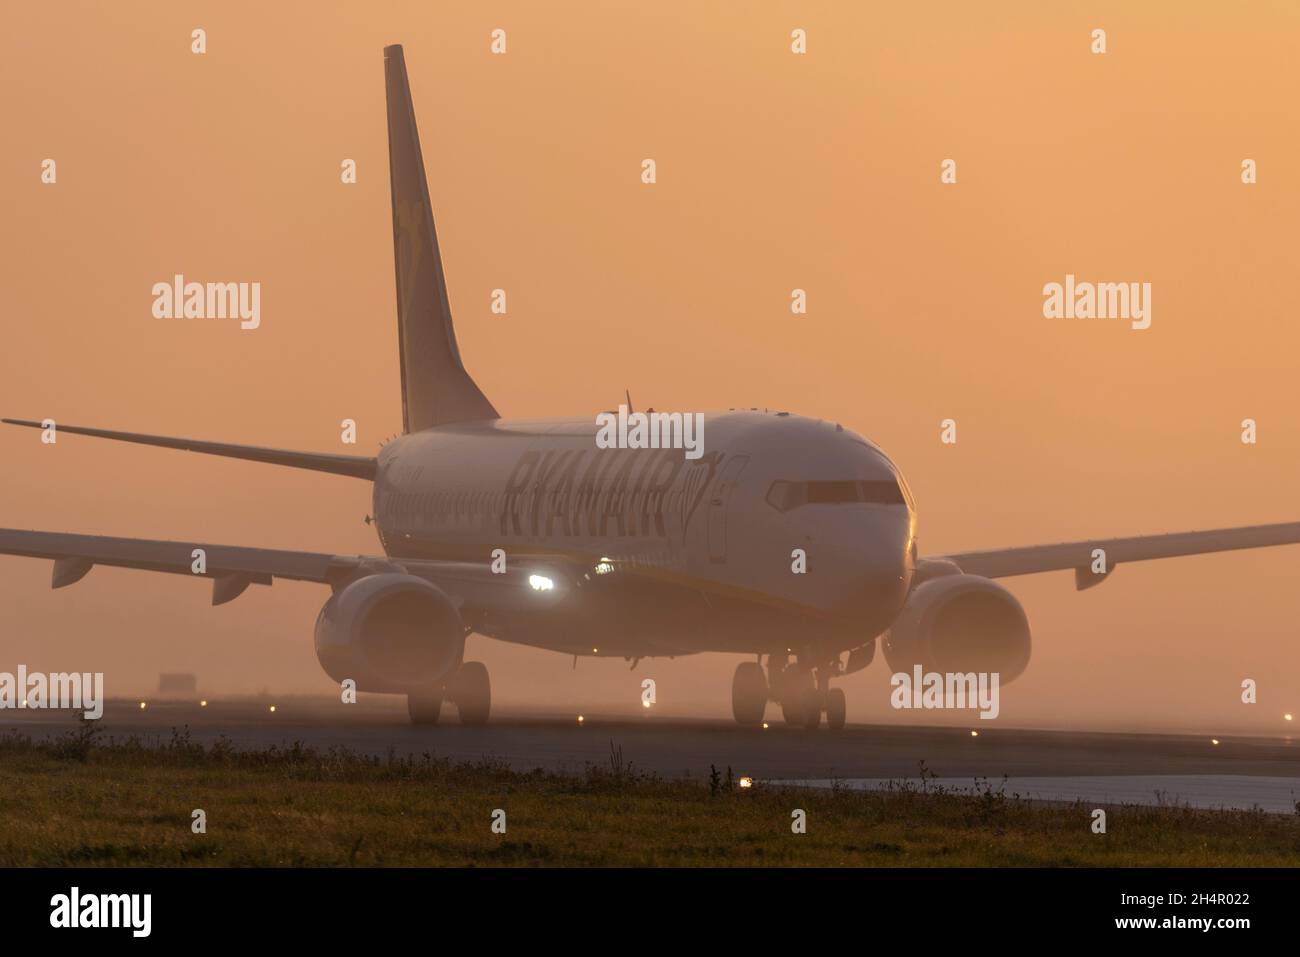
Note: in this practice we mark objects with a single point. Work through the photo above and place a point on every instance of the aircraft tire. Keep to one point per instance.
(473, 693)
(425, 707)
(749, 693)
(794, 686)
(810, 704)
(836, 709)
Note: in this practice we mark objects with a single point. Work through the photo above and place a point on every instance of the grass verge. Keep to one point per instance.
(86, 799)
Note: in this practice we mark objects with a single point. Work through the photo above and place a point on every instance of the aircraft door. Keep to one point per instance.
(718, 501)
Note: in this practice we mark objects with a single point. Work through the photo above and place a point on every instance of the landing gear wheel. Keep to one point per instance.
(795, 685)
(810, 703)
(424, 707)
(472, 693)
(836, 709)
(749, 693)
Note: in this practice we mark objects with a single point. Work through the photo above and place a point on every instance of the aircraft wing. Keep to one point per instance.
(234, 568)
(357, 466)
(1028, 560)
(229, 566)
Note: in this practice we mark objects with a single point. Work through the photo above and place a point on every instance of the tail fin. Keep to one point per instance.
(436, 389)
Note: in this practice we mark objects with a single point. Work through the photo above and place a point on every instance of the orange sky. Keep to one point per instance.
(775, 171)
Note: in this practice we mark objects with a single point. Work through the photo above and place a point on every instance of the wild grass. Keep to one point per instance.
(89, 799)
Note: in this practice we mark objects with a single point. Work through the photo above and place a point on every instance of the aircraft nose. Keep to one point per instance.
(882, 566)
(887, 588)
(887, 580)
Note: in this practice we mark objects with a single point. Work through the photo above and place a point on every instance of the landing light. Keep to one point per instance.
(604, 566)
(974, 734)
(580, 719)
(143, 705)
(1214, 740)
(540, 583)
(745, 782)
(1287, 717)
(203, 703)
(272, 709)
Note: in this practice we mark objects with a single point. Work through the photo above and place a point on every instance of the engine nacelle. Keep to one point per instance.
(390, 632)
(959, 624)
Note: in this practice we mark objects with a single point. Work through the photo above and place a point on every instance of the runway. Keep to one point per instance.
(1238, 771)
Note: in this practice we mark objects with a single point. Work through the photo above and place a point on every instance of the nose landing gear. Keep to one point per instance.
(813, 695)
(803, 692)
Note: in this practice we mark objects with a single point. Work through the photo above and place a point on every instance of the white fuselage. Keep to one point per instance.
(764, 542)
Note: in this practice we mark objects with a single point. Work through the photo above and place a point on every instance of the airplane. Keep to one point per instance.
(528, 531)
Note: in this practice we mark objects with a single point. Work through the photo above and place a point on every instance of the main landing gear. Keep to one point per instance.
(803, 692)
(469, 689)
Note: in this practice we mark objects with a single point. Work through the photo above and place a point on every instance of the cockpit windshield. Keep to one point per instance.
(784, 495)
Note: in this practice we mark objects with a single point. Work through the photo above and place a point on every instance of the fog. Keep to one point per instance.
(775, 172)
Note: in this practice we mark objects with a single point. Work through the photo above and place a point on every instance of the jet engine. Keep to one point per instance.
(959, 623)
(390, 632)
